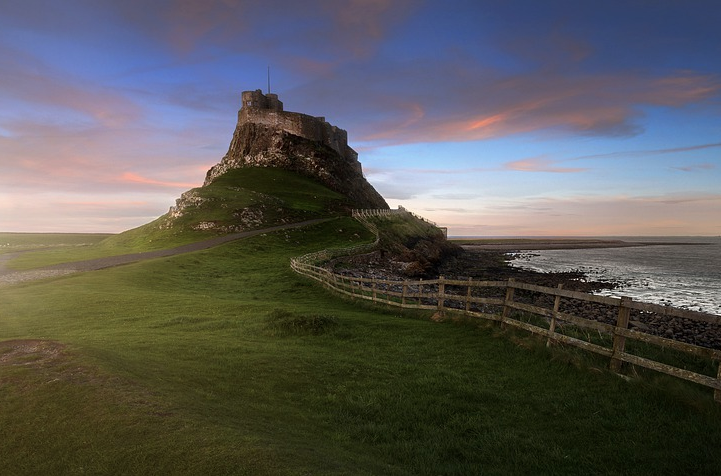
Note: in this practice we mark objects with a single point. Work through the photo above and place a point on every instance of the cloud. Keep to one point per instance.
(130, 177)
(473, 102)
(539, 164)
(672, 214)
(41, 156)
(555, 46)
(679, 199)
(28, 80)
(649, 152)
(360, 25)
(683, 88)
(76, 212)
(452, 210)
(695, 167)
(332, 29)
(456, 196)
(397, 172)
(182, 26)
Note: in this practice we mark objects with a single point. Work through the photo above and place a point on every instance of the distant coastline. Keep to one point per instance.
(516, 244)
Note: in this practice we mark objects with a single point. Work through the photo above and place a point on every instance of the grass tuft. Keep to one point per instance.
(282, 323)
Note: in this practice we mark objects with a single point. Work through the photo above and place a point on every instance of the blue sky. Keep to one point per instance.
(518, 118)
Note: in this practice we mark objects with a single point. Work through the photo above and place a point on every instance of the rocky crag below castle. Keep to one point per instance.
(260, 145)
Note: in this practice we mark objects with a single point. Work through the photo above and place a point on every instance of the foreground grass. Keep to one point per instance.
(225, 362)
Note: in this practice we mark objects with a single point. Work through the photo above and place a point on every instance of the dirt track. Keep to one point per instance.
(8, 276)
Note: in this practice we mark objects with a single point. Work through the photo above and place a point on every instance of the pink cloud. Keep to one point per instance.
(475, 104)
(48, 156)
(130, 177)
(539, 164)
(683, 88)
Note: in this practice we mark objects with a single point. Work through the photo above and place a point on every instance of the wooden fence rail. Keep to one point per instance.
(360, 214)
(511, 303)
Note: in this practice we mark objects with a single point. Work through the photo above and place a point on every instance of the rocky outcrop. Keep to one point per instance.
(260, 145)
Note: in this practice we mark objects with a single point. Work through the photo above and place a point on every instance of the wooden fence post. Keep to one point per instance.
(507, 302)
(552, 326)
(468, 295)
(403, 294)
(717, 392)
(373, 287)
(441, 293)
(619, 341)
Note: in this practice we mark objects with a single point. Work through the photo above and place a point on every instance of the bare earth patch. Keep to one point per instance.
(47, 362)
(30, 352)
(32, 275)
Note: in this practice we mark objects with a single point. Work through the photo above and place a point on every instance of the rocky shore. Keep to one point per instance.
(486, 264)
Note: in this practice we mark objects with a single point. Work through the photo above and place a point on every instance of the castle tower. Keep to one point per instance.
(256, 99)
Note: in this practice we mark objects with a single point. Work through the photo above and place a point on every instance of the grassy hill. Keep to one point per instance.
(224, 361)
(269, 196)
(247, 198)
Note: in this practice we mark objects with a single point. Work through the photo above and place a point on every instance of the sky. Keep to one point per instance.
(492, 118)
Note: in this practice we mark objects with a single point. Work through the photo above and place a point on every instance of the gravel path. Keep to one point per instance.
(8, 276)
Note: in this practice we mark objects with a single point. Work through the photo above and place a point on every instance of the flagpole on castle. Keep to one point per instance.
(268, 79)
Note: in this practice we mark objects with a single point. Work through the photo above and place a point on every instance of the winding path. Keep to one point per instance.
(8, 276)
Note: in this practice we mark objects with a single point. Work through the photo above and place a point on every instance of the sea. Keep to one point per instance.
(682, 272)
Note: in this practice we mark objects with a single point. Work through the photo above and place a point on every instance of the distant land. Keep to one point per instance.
(538, 243)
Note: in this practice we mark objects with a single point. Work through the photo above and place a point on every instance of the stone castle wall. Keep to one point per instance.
(266, 109)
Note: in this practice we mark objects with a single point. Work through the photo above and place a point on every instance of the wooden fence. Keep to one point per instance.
(361, 214)
(548, 312)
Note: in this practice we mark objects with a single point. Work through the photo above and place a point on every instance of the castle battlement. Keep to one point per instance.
(267, 109)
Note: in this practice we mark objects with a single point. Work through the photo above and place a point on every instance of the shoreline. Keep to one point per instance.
(493, 265)
(531, 244)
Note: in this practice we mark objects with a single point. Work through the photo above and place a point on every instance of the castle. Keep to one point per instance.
(267, 109)
(266, 136)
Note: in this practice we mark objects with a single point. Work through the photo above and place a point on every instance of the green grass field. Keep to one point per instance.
(12, 242)
(226, 362)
